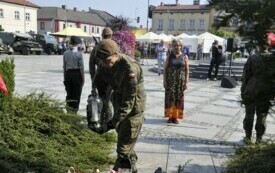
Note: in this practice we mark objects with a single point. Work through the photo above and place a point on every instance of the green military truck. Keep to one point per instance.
(48, 42)
(21, 43)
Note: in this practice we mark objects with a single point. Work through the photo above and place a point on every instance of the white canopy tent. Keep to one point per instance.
(165, 37)
(182, 35)
(149, 37)
(207, 39)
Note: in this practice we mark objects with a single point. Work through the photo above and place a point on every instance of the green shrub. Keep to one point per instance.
(7, 72)
(37, 136)
(137, 53)
(254, 159)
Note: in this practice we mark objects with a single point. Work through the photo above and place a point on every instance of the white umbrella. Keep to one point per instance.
(209, 36)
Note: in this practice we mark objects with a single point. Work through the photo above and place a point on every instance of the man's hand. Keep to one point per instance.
(100, 130)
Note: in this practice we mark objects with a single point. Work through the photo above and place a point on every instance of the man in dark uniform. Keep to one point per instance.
(73, 69)
(102, 87)
(256, 93)
(128, 100)
(216, 60)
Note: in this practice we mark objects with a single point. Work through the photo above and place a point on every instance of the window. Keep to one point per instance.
(1, 12)
(93, 29)
(85, 28)
(160, 24)
(97, 30)
(42, 25)
(28, 16)
(182, 24)
(17, 15)
(202, 24)
(192, 24)
(171, 24)
(64, 25)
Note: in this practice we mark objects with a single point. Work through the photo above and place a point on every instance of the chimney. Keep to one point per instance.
(75, 9)
(177, 2)
(196, 2)
(161, 3)
(63, 7)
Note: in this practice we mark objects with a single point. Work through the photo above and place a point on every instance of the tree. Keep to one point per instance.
(257, 17)
(122, 35)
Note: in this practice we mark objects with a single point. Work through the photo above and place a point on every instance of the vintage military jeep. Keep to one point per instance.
(48, 42)
(20, 42)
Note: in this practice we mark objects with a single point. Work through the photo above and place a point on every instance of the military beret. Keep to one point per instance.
(107, 31)
(75, 40)
(106, 48)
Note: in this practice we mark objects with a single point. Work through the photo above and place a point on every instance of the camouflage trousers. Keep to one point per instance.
(261, 110)
(128, 132)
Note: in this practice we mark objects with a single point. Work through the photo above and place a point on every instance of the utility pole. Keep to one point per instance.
(147, 16)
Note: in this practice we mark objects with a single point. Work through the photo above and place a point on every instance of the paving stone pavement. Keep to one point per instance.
(203, 141)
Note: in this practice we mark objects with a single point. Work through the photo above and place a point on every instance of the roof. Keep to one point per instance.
(21, 2)
(102, 14)
(70, 15)
(181, 7)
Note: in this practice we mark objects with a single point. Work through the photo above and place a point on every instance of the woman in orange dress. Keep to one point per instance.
(175, 81)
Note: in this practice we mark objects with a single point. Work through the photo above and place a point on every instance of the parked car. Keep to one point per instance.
(5, 48)
(21, 42)
(48, 42)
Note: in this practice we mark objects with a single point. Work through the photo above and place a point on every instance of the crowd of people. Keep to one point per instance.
(118, 79)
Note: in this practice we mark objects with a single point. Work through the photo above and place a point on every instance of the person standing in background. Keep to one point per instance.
(161, 51)
(175, 82)
(73, 69)
(216, 60)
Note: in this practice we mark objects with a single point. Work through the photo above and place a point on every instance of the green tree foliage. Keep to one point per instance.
(119, 23)
(256, 17)
(37, 136)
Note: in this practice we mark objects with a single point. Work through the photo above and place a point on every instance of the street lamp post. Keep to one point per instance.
(148, 16)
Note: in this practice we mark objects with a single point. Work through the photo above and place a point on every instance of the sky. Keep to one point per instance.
(130, 9)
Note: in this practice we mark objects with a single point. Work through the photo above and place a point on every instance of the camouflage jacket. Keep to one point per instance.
(128, 85)
(257, 78)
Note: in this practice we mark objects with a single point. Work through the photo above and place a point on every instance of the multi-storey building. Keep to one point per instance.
(54, 19)
(18, 16)
(175, 18)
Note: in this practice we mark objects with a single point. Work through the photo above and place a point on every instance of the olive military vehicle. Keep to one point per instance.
(20, 42)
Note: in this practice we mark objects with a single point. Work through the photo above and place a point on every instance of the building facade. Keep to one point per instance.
(18, 16)
(175, 19)
(54, 19)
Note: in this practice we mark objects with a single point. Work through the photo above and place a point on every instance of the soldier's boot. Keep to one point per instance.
(247, 138)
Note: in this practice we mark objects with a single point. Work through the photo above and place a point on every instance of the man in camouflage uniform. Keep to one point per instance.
(103, 89)
(126, 80)
(256, 93)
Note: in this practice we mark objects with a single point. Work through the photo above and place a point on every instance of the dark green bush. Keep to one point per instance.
(253, 159)
(37, 136)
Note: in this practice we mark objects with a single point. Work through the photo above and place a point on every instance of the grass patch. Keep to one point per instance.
(253, 159)
(37, 136)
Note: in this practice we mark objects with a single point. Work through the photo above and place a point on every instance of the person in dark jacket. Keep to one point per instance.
(102, 87)
(127, 82)
(216, 60)
(257, 92)
(73, 69)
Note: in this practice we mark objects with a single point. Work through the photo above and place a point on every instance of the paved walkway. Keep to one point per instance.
(203, 140)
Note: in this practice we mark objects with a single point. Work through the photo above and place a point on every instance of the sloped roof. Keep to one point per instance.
(70, 15)
(102, 14)
(21, 2)
(181, 7)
